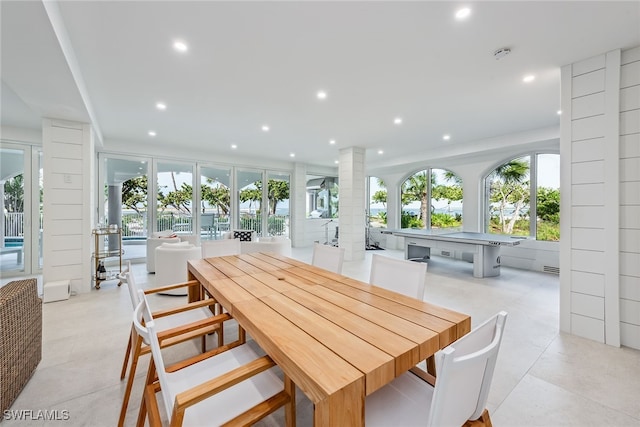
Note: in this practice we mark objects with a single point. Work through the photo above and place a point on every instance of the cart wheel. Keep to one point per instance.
(98, 286)
(119, 283)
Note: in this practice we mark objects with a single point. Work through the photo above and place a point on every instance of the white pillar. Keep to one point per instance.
(68, 202)
(352, 202)
(590, 261)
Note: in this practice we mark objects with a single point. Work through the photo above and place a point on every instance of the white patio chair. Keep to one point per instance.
(399, 275)
(328, 257)
(465, 371)
(176, 325)
(226, 385)
(220, 247)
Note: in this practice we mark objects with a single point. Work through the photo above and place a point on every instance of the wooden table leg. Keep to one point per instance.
(431, 365)
(343, 408)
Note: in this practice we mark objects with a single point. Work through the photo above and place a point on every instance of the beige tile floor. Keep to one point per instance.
(543, 377)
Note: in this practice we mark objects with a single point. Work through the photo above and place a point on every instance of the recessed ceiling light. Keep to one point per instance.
(336, 161)
(397, 121)
(265, 128)
(180, 46)
(152, 133)
(321, 94)
(234, 146)
(446, 137)
(529, 78)
(292, 154)
(380, 152)
(463, 13)
(559, 112)
(161, 106)
(332, 141)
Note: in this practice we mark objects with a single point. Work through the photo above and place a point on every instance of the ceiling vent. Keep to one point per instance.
(501, 53)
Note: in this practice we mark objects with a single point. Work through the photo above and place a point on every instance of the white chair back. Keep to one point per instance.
(402, 276)
(464, 373)
(150, 336)
(221, 247)
(127, 277)
(328, 257)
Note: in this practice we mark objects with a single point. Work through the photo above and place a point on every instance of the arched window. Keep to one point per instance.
(521, 189)
(432, 198)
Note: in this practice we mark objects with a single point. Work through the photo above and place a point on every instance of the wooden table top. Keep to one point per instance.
(337, 338)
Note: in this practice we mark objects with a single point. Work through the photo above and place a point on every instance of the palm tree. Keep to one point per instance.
(415, 188)
(14, 194)
(509, 186)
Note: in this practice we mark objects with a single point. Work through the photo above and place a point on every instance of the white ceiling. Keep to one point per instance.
(255, 63)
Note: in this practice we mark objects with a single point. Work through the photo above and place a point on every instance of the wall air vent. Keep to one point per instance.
(550, 269)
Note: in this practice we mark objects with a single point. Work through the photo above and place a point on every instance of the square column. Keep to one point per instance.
(68, 202)
(352, 206)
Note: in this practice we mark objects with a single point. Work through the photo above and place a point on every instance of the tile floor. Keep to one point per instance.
(543, 377)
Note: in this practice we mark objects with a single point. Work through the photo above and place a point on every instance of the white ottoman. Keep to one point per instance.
(171, 264)
(152, 244)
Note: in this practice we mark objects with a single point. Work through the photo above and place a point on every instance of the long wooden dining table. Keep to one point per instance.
(337, 338)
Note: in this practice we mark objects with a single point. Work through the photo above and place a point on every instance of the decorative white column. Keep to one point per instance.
(352, 202)
(68, 202)
(593, 259)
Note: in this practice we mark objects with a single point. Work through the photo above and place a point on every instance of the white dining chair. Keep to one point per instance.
(182, 322)
(235, 386)
(399, 275)
(328, 257)
(464, 373)
(222, 247)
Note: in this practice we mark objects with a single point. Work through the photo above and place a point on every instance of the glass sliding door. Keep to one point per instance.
(125, 202)
(249, 193)
(20, 218)
(278, 189)
(13, 213)
(215, 202)
(174, 210)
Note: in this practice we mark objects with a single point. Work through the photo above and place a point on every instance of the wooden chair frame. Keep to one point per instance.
(200, 329)
(196, 394)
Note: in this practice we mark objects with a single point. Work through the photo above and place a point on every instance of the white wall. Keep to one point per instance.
(600, 155)
(630, 198)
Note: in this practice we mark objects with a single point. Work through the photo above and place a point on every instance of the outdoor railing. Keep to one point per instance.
(14, 224)
(135, 224)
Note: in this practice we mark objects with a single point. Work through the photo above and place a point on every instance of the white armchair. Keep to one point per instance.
(171, 264)
(153, 242)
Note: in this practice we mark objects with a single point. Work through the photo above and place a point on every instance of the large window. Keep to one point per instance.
(175, 197)
(126, 203)
(215, 202)
(377, 191)
(249, 184)
(265, 210)
(515, 196)
(432, 198)
(322, 196)
(21, 222)
(278, 188)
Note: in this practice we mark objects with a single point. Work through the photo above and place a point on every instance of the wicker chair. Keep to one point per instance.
(20, 337)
